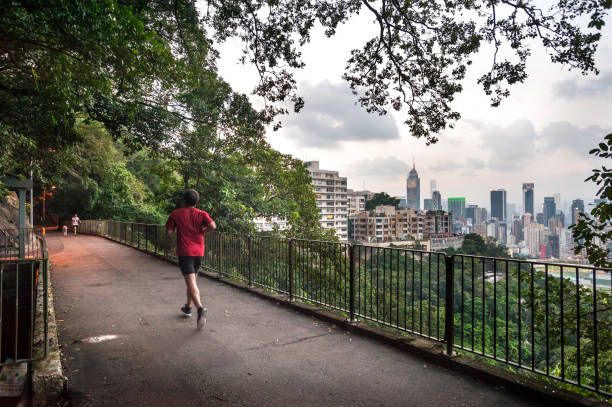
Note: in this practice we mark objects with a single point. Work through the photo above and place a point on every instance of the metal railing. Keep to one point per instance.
(554, 320)
(23, 290)
(20, 243)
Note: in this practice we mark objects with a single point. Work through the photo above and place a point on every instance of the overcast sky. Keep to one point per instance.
(542, 133)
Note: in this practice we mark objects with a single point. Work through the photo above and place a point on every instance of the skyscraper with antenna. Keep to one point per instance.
(413, 189)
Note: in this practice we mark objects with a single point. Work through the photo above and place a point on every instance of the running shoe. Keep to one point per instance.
(186, 310)
(202, 313)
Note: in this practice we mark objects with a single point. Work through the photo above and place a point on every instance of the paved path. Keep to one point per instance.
(251, 353)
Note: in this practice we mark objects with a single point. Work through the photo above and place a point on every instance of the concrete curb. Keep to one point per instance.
(426, 349)
(48, 380)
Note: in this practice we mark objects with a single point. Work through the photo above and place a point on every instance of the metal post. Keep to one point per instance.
(220, 252)
(250, 245)
(32, 199)
(44, 214)
(155, 230)
(352, 283)
(449, 305)
(290, 269)
(22, 223)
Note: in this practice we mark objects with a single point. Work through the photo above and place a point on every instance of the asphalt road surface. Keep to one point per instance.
(252, 351)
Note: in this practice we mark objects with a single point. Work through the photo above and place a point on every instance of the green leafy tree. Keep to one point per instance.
(594, 231)
(99, 184)
(127, 65)
(381, 198)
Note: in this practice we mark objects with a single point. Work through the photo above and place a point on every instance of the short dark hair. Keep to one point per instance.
(191, 197)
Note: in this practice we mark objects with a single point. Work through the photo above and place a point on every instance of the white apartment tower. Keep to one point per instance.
(332, 199)
(356, 201)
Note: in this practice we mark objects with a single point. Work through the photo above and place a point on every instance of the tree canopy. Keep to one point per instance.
(421, 52)
(381, 198)
(476, 245)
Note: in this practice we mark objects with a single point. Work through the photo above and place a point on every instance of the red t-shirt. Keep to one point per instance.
(188, 222)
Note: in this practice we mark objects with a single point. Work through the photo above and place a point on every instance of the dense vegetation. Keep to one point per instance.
(119, 105)
(476, 245)
(381, 198)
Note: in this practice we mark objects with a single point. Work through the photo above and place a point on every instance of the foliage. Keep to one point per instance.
(592, 232)
(128, 65)
(99, 185)
(421, 52)
(145, 72)
(381, 198)
(476, 245)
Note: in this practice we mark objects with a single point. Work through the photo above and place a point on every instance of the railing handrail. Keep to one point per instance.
(365, 244)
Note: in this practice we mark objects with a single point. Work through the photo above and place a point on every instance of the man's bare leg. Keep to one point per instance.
(189, 302)
(193, 293)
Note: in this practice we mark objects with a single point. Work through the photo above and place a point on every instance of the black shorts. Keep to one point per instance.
(189, 264)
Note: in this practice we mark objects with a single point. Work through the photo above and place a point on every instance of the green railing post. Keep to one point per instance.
(220, 254)
(250, 246)
(291, 289)
(352, 283)
(449, 321)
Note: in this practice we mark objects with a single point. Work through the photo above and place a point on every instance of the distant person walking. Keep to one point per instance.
(75, 223)
(190, 225)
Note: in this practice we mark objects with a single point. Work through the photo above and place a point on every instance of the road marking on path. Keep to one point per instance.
(98, 339)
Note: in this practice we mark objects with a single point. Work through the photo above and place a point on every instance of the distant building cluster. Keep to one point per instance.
(529, 230)
(386, 224)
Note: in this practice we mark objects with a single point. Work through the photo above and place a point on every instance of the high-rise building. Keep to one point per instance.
(356, 200)
(577, 207)
(480, 218)
(433, 186)
(470, 212)
(332, 199)
(437, 201)
(498, 204)
(552, 246)
(557, 201)
(528, 198)
(428, 204)
(550, 209)
(413, 190)
(511, 210)
(534, 235)
(456, 206)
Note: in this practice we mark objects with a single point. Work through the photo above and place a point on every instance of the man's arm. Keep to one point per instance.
(209, 227)
(170, 226)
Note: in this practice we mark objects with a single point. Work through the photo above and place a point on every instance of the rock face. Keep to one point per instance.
(48, 380)
(9, 212)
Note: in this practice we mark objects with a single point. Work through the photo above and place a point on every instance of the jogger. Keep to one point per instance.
(190, 224)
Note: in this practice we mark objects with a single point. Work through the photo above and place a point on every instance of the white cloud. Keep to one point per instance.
(330, 117)
(580, 87)
(380, 166)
